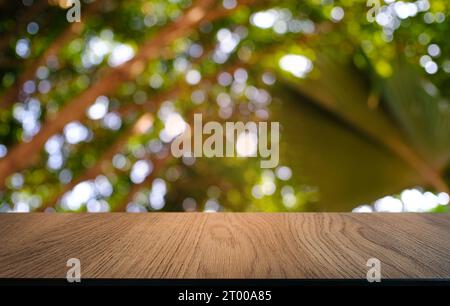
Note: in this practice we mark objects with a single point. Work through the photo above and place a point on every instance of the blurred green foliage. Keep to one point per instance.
(363, 105)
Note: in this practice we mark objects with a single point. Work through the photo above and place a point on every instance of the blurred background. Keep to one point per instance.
(88, 109)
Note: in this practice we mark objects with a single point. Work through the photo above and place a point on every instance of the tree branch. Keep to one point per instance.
(25, 154)
(72, 31)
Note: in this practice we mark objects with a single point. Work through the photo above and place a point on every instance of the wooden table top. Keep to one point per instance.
(220, 245)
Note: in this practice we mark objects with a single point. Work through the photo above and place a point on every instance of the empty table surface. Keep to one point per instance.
(225, 245)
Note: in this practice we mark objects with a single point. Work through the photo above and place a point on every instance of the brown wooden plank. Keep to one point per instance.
(196, 245)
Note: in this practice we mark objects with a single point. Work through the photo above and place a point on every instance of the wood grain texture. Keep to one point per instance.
(196, 245)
